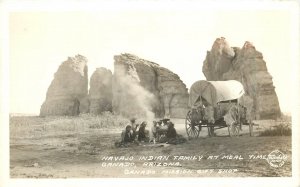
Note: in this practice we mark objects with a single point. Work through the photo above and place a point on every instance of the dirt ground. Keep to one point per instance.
(91, 153)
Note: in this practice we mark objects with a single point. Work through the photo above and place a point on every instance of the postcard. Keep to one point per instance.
(150, 93)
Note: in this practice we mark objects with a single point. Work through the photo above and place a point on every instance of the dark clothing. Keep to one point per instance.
(171, 133)
(172, 137)
(141, 135)
(128, 137)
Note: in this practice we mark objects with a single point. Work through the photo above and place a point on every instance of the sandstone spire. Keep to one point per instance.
(67, 94)
(247, 66)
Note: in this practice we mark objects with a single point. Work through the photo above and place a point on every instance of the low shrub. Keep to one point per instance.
(283, 129)
(36, 127)
(105, 120)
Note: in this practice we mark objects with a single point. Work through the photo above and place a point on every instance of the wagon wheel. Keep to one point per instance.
(250, 128)
(192, 128)
(234, 129)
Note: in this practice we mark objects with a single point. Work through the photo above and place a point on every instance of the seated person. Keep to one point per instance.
(171, 133)
(143, 134)
(159, 130)
(127, 136)
(165, 121)
(171, 136)
(163, 125)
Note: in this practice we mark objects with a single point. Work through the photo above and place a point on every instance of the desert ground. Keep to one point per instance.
(83, 147)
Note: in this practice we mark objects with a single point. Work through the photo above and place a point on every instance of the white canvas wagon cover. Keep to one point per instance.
(215, 91)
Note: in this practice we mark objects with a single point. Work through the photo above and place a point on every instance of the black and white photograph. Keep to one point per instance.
(150, 90)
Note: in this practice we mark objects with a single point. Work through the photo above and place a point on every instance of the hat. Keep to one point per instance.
(132, 120)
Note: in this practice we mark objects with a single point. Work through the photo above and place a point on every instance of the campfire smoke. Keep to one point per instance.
(133, 100)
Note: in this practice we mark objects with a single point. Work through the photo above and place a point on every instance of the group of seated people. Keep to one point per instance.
(162, 131)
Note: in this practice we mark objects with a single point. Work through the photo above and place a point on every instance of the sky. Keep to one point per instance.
(176, 37)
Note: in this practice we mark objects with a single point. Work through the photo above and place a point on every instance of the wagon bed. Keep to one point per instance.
(210, 94)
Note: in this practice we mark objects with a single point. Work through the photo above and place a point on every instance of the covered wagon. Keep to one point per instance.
(215, 105)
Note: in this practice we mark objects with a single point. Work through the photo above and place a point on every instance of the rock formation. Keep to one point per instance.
(247, 66)
(67, 94)
(100, 93)
(141, 86)
(138, 88)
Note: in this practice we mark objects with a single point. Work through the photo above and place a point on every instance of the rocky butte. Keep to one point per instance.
(143, 86)
(138, 88)
(246, 65)
(67, 93)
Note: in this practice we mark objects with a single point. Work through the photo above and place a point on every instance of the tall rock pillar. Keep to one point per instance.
(246, 65)
(67, 93)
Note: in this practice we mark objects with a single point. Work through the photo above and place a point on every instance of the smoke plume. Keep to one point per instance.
(131, 99)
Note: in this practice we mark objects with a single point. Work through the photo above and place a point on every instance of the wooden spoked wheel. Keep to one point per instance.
(192, 127)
